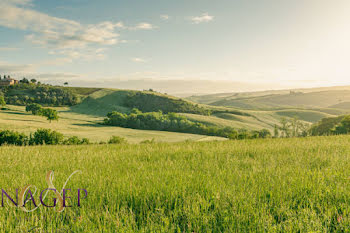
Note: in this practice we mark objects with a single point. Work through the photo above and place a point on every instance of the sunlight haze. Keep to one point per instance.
(239, 45)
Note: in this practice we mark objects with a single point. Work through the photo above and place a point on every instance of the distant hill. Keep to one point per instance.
(250, 110)
(331, 97)
(263, 111)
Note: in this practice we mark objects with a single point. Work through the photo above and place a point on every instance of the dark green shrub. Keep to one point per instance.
(85, 141)
(72, 141)
(116, 140)
(13, 138)
(47, 137)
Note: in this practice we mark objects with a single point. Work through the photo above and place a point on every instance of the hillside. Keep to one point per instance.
(103, 101)
(310, 105)
(212, 98)
(47, 95)
(324, 99)
(82, 125)
(250, 111)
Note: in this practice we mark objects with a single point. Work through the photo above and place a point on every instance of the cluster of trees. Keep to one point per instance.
(40, 137)
(153, 102)
(325, 127)
(291, 128)
(38, 110)
(47, 137)
(27, 92)
(331, 126)
(176, 123)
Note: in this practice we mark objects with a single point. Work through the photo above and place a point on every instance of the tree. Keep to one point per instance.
(343, 127)
(51, 114)
(66, 83)
(2, 101)
(33, 80)
(264, 133)
(36, 109)
(24, 80)
(285, 128)
(276, 133)
(295, 126)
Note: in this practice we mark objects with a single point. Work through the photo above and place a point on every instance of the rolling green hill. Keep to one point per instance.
(250, 111)
(268, 107)
(100, 102)
(88, 126)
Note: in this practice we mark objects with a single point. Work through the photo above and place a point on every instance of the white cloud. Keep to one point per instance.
(63, 36)
(165, 17)
(138, 59)
(73, 54)
(143, 26)
(55, 33)
(204, 18)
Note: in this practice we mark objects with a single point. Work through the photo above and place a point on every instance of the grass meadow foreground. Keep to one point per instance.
(271, 185)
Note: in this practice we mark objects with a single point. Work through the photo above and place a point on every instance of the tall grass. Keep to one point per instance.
(271, 185)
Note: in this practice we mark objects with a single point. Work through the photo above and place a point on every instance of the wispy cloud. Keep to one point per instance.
(138, 59)
(143, 26)
(8, 49)
(165, 17)
(8, 68)
(62, 36)
(204, 18)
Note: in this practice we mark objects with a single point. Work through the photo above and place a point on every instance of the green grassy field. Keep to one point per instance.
(85, 125)
(271, 185)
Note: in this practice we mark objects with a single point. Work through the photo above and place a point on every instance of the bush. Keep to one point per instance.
(76, 141)
(72, 141)
(116, 140)
(47, 137)
(13, 138)
(85, 141)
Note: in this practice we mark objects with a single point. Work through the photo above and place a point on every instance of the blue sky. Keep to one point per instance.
(275, 43)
